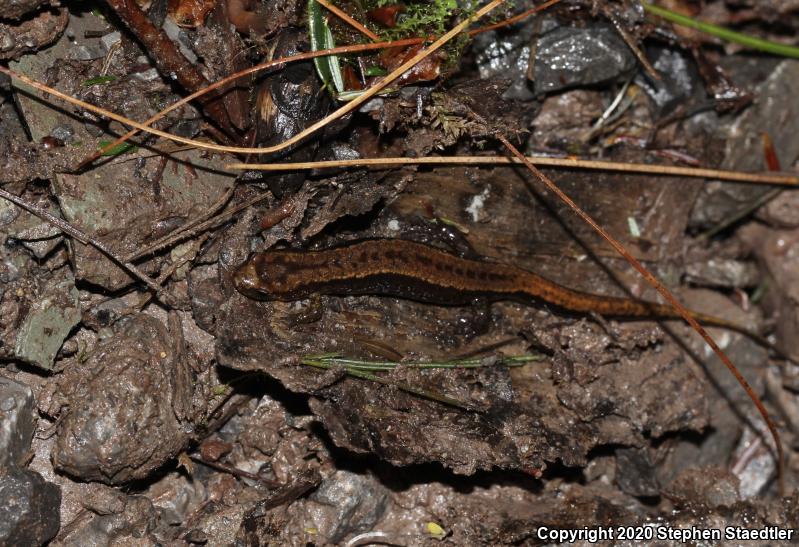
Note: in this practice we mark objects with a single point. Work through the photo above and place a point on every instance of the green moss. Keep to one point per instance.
(420, 18)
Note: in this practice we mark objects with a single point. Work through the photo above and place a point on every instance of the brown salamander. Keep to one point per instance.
(419, 272)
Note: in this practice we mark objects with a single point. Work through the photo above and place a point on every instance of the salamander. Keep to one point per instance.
(415, 271)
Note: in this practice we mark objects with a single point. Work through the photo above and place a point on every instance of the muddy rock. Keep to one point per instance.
(122, 420)
(31, 34)
(130, 521)
(142, 205)
(29, 514)
(712, 487)
(347, 503)
(38, 301)
(16, 422)
(50, 319)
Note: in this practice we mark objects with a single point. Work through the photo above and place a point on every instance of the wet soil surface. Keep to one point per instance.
(192, 414)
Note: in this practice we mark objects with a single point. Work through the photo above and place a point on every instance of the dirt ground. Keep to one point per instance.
(144, 400)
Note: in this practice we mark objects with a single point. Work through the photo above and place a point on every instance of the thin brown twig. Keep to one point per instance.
(175, 234)
(295, 58)
(515, 19)
(207, 224)
(571, 163)
(350, 21)
(169, 60)
(276, 63)
(84, 238)
(631, 43)
(169, 272)
(235, 471)
(665, 293)
(349, 107)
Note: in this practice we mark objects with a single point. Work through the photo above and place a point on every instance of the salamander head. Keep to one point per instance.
(248, 281)
(266, 276)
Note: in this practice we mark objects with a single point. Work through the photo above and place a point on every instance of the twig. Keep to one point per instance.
(515, 19)
(670, 298)
(82, 237)
(169, 60)
(174, 235)
(349, 107)
(235, 471)
(631, 43)
(571, 163)
(350, 21)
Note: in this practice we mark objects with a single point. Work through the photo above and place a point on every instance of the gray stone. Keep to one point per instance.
(16, 422)
(30, 508)
(570, 56)
(110, 39)
(48, 323)
(359, 502)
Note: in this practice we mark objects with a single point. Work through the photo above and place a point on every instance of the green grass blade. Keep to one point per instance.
(724, 33)
(319, 33)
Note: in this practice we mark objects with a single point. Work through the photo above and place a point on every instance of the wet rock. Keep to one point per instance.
(30, 511)
(505, 54)
(16, 422)
(349, 503)
(48, 322)
(122, 422)
(572, 56)
(680, 84)
(38, 301)
(37, 235)
(138, 208)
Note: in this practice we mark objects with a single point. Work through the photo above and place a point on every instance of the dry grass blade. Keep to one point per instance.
(295, 58)
(574, 163)
(350, 21)
(233, 77)
(515, 19)
(347, 108)
(665, 293)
